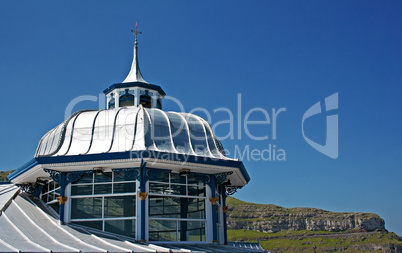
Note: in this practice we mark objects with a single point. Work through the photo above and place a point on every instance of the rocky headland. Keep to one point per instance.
(282, 229)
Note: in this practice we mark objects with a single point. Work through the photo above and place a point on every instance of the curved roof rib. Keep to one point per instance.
(130, 129)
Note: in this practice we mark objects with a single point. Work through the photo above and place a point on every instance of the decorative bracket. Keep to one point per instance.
(71, 177)
(54, 174)
(205, 178)
(224, 209)
(143, 195)
(221, 177)
(62, 200)
(213, 200)
(230, 190)
(28, 188)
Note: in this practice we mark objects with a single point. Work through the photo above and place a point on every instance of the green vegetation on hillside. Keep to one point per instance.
(4, 174)
(303, 241)
(271, 209)
(246, 221)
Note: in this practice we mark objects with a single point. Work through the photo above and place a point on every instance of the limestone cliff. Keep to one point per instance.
(300, 229)
(272, 218)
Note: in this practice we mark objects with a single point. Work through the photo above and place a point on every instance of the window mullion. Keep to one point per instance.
(93, 183)
(103, 213)
(112, 182)
(170, 188)
(177, 230)
(186, 185)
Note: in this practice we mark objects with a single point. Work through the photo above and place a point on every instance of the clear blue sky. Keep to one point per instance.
(276, 54)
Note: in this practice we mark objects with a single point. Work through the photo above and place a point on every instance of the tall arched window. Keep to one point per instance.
(111, 103)
(146, 101)
(126, 100)
(159, 104)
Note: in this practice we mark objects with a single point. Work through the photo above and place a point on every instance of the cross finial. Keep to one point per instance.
(136, 32)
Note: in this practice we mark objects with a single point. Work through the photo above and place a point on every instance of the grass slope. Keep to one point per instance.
(304, 240)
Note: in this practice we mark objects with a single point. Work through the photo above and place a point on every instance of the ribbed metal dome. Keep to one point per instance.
(131, 129)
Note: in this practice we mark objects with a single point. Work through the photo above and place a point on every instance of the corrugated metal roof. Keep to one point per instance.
(26, 226)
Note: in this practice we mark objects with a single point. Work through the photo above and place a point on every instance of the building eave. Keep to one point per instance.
(135, 84)
(154, 158)
(22, 169)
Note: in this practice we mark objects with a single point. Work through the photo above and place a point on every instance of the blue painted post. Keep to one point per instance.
(143, 195)
(213, 200)
(63, 179)
(62, 199)
(224, 208)
(38, 190)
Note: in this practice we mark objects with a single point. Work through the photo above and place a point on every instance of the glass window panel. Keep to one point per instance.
(178, 189)
(121, 176)
(167, 207)
(161, 177)
(159, 188)
(102, 188)
(121, 227)
(176, 179)
(126, 100)
(103, 177)
(145, 100)
(123, 187)
(121, 206)
(193, 180)
(192, 231)
(164, 207)
(196, 209)
(162, 230)
(84, 179)
(81, 190)
(91, 224)
(195, 231)
(196, 191)
(84, 208)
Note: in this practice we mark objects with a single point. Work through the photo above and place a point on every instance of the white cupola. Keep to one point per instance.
(134, 90)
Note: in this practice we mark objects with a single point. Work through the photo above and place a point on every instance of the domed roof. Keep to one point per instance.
(131, 129)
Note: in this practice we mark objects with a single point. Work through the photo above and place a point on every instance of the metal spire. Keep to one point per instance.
(135, 32)
(135, 73)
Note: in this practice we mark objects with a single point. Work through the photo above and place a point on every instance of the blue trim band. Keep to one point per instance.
(135, 84)
(24, 168)
(130, 155)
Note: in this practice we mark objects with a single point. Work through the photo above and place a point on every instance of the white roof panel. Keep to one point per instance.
(131, 129)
